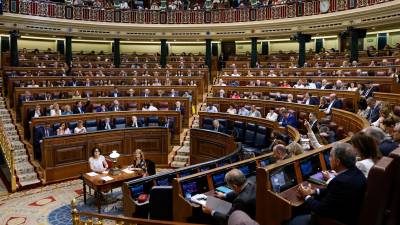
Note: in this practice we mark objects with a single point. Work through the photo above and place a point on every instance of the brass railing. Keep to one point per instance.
(7, 150)
(98, 219)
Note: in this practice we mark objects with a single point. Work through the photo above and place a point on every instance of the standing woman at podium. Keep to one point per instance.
(97, 161)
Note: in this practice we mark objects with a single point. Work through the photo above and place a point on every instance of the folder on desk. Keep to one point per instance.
(218, 205)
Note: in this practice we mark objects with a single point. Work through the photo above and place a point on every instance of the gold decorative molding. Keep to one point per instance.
(380, 16)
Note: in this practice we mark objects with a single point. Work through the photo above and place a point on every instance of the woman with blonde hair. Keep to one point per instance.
(139, 160)
(295, 148)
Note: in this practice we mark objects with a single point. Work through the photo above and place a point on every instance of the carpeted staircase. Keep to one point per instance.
(25, 172)
(182, 156)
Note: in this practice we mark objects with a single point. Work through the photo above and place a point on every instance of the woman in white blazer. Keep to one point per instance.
(367, 151)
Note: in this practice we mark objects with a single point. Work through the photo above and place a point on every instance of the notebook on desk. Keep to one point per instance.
(218, 205)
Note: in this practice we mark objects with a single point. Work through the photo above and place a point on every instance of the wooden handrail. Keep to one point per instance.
(77, 220)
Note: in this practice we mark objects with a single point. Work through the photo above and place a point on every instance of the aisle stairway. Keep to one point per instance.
(181, 159)
(182, 156)
(25, 172)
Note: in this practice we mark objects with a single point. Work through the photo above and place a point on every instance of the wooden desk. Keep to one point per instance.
(99, 185)
(66, 92)
(13, 82)
(66, 157)
(292, 195)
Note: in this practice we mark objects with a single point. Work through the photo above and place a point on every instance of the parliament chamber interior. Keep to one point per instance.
(269, 112)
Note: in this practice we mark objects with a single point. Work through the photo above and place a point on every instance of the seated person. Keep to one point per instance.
(55, 110)
(385, 143)
(295, 148)
(254, 112)
(116, 106)
(67, 110)
(231, 110)
(63, 129)
(243, 197)
(97, 162)
(239, 217)
(344, 195)
(334, 102)
(280, 152)
(217, 126)
(272, 115)
(367, 151)
(288, 119)
(211, 108)
(139, 161)
(80, 129)
(102, 108)
(106, 124)
(135, 122)
(152, 107)
(243, 111)
(36, 113)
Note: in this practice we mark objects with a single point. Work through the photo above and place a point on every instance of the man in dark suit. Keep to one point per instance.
(373, 114)
(313, 121)
(116, 107)
(27, 97)
(73, 83)
(79, 108)
(385, 143)
(107, 125)
(146, 93)
(370, 91)
(309, 100)
(115, 93)
(179, 107)
(342, 199)
(40, 133)
(243, 197)
(217, 126)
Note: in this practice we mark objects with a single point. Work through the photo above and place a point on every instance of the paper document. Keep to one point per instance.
(200, 199)
(107, 178)
(92, 174)
(218, 205)
(127, 170)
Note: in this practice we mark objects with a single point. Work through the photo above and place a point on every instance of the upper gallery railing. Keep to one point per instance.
(288, 10)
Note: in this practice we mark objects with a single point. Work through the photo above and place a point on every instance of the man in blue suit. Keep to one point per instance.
(342, 199)
(288, 119)
(334, 103)
(374, 107)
